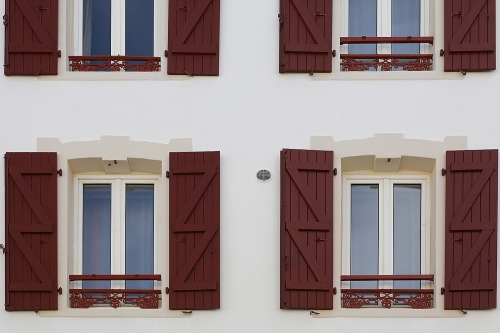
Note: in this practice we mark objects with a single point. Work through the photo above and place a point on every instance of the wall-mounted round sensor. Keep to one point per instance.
(263, 175)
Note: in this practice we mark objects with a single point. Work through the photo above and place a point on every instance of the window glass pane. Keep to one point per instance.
(139, 20)
(139, 233)
(364, 232)
(362, 22)
(405, 22)
(96, 27)
(407, 211)
(97, 233)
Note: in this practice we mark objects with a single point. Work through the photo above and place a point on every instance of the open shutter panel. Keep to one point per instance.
(305, 36)
(31, 37)
(31, 231)
(469, 34)
(306, 229)
(193, 37)
(471, 229)
(194, 192)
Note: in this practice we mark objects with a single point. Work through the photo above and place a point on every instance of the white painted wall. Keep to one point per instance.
(249, 113)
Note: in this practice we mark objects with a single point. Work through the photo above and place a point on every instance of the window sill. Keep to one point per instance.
(112, 76)
(109, 312)
(400, 75)
(386, 313)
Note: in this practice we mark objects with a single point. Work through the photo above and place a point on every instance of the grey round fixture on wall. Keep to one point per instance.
(264, 175)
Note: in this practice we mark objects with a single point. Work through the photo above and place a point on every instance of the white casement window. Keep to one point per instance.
(116, 229)
(386, 229)
(385, 18)
(116, 27)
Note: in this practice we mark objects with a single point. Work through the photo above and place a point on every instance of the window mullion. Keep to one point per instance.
(344, 24)
(384, 24)
(425, 25)
(117, 242)
(386, 244)
(78, 27)
(346, 234)
(117, 27)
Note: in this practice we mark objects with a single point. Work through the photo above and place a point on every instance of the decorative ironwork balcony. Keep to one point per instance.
(414, 298)
(386, 62)
(114, 63)
(143, 298)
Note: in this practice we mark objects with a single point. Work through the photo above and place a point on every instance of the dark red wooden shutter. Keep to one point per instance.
(469, 34)
(471, 229)
(194, 191)
(31, 231)
(305, 36)
(306, 229)
(31, 37)
(193, 37)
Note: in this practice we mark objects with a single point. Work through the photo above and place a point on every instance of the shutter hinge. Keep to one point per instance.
(442, 290)
(166, 53)
(187, 311)
(167, 174)
(59, 290)
(335, 290)
(319, 14)
(167, 290)
(441, 52)
(5, 19)
(59, 172)
(443, 171)
(313, 313)
(334, 53)
(4, 249)
(59, 54)
(282, 18)
(334, 171)
(42, 8)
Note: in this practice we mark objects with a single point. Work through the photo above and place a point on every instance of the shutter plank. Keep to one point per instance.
(194, 231)
(471, 219)
(31, 37)
(470, 36)
(31, 231)
(306, 234)
(305, 36)
(194, 37)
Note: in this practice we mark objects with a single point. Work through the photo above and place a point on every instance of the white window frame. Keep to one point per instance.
(386, 183)
(117, 27)
(118, 190)
(384, 18)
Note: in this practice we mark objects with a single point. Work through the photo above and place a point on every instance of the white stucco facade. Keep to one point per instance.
(249, 113)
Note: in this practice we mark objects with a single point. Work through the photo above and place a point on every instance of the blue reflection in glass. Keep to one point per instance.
(96, 27)
(405, 22)
(139, 233)
(407, 216)
(363, 22)
(139, 21)
(97, 233)
(364, 233)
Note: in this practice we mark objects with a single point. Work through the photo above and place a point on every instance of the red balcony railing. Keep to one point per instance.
(414, 298)
(114, 63)
(386, 62)
(143, 298)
